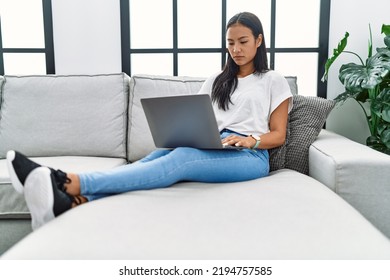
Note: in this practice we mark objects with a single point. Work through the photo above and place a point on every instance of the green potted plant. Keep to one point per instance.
(369, 84)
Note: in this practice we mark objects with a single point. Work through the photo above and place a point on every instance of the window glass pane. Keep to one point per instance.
(269, 60)
(199, 23)
(301, 65)
(22, 23)
(199, 64)
(151, 24)
(151, 63)
(24, 63)
(261, 8)
(297, 23)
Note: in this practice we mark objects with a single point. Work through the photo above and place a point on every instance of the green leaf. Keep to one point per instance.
(386, 29)
(370, 42)
(386, 106)
(358, 77)
(353, 75)
(382, 126)
(387, 41)
(381, 105)
(385, 138)
(336, 52)
(384, 51)
(381, 140)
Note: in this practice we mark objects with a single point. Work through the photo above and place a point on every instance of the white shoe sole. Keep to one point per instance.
(38, 192)
(12, 174)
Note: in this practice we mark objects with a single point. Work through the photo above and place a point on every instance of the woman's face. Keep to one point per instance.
(242, 45)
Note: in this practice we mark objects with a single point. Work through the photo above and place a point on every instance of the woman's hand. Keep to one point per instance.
(239, 141)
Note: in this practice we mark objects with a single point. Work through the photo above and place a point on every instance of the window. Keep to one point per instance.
(182, 37)
(26, 37)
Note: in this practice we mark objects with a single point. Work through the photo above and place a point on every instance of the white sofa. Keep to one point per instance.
(317, 203)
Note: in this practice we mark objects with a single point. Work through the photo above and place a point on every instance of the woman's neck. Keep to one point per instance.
(245, 71)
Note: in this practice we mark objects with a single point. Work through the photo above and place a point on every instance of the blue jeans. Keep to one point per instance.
(163, 168)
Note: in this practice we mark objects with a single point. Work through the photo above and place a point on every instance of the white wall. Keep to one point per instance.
(87, 36)
(353, 16)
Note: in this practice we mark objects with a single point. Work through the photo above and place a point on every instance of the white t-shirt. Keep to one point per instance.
(254, 99)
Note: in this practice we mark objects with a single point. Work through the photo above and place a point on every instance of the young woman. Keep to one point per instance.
(251, 104)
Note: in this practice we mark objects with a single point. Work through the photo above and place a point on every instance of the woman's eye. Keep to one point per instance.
(242, 43)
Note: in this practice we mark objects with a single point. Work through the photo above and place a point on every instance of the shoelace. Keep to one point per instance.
(61, 180)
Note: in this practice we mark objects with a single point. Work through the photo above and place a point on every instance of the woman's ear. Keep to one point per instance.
(259, 40)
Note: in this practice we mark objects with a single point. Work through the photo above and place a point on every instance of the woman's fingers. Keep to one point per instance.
(234, 140)
(239, 141)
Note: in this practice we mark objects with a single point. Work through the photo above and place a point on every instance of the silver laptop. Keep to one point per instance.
(183, 121)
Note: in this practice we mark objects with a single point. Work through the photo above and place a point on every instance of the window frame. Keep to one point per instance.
(48, 50)
(322, 48)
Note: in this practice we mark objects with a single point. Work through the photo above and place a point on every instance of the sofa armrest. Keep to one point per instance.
(356, 172)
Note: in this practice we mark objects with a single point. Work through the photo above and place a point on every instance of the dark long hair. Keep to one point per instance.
(226, 82)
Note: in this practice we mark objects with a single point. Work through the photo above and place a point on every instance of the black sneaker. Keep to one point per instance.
(45, 196)
(19, 167)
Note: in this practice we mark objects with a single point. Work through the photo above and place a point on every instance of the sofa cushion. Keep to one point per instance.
(54, 115)
(1, 88)
(293, 83)
(142, 86)
(305, 122)
(1, 85)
